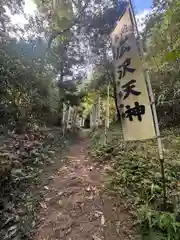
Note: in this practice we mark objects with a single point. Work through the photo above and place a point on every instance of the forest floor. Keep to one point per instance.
(75, 207)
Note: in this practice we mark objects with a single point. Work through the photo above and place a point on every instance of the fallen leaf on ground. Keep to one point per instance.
(96, 238)
(99, 213)
(60, 203)
(43, 205)
(91, 168)
(88, 189)
(102, 220)
(54, 197)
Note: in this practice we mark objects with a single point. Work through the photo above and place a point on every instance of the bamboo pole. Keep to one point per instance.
(99, 111)
(69, 115)
(107, 117)
(64, 118)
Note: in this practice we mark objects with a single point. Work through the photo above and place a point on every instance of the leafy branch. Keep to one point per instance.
(73, 23)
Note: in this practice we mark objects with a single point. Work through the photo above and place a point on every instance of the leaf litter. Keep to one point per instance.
(76, 208)
(22, 159)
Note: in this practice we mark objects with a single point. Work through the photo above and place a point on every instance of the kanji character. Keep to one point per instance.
(119, 51)
(125, 68)
(136, 111)
(128, 88)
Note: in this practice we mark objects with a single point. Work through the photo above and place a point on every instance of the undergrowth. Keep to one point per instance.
(136, 177)
(24, 164)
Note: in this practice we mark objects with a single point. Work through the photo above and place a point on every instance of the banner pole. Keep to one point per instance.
(91, 118)
(108, 106)
(64, 119)
(107, 117)
(98, 111)
(159, 140)
(160, 147)
(94, 115)
(69, 115)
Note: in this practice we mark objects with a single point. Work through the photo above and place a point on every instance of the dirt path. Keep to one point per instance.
(74, 207)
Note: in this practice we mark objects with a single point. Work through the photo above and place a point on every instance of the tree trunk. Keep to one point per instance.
(61, 94)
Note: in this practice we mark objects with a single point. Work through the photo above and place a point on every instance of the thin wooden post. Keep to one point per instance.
(74, 117)
(160, 147)
(107, 117)
(69, 115)
(107, 107)
(64, 118)
(91, 119)
(99, 111)
(96, 114)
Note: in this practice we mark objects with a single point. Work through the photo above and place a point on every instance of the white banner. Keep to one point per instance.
(132, 94)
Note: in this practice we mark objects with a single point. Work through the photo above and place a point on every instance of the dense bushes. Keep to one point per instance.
(136, 176)
(161, 37)
(23, 159)
(27, 89)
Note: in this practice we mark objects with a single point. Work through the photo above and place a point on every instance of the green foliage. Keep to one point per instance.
(162, 225)
(24, 159)
(163, 52)
(27, 91)
(136, 177)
